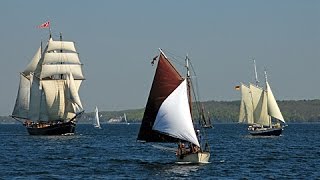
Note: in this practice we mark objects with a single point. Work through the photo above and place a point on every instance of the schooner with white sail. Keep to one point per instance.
(48, 101)
(259, 109)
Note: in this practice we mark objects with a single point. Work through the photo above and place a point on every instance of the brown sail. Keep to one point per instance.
(165, 81)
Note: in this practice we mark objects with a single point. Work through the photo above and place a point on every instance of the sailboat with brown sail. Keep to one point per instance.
(48, 102)
(168, 117)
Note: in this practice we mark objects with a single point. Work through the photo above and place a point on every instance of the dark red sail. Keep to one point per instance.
(165, 81)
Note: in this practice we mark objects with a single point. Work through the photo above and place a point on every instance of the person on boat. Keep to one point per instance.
(181, 150)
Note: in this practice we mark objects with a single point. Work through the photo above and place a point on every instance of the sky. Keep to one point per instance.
(117, 39)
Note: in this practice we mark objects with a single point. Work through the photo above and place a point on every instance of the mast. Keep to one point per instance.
(41, 47)
(163, 53)
(255, 72)
(266, 89)
(165, 81)
(50, 35)
(189, 84)
(61, 75)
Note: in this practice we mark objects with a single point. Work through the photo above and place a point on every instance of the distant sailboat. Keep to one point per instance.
(168, 118)
(125, 118)
(48, 99)
(259, 109)
(96, 120)
(205, 121)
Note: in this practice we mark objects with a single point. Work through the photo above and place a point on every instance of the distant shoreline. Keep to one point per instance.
(293, 111)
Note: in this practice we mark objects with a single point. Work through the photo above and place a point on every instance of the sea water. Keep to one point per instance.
(113, 153)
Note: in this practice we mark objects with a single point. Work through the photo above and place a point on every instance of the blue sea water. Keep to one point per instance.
(113, 153)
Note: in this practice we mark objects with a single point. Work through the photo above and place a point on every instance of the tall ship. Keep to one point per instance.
(259, 109)
(48, 102)
(168, 116)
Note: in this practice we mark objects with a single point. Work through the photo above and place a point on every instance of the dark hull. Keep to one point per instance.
(266, 132)
(55, 129)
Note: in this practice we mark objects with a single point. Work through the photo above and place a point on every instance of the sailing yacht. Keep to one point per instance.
(48, 102)
(96, 119)
(125, 119)
(259, 109)
(168, 117)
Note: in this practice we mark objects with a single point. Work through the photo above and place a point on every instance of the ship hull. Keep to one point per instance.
(199, 157)
(266, 132)
(55, 129)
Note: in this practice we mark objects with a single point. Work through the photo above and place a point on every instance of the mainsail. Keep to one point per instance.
(50, 83)
(246, 106)
(259, 101)
(165, 81)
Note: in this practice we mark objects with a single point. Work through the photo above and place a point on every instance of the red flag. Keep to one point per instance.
(45, 25)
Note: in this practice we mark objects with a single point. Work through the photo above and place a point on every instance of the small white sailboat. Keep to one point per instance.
(125, 118)
(96, 120)
(259, 109)
(168, 117)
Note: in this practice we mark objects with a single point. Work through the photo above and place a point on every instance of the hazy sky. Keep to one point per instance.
(116, 41)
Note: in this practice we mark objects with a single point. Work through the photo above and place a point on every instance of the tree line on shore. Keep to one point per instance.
(293, 111)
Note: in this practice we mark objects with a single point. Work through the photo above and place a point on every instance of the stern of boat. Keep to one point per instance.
(199, 157)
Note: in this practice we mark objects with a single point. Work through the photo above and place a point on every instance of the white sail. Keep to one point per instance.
(55, 98)
(44, 115)
(125, 118)
(35, 99)
(74, 91)
(174, 117)
(259, 101)
(33, 63)
(21, 107)
(246, 108)
(273, 108)
(61, 45)
(57, 69)
(78, 84)
(96, 122)
(58, 58)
